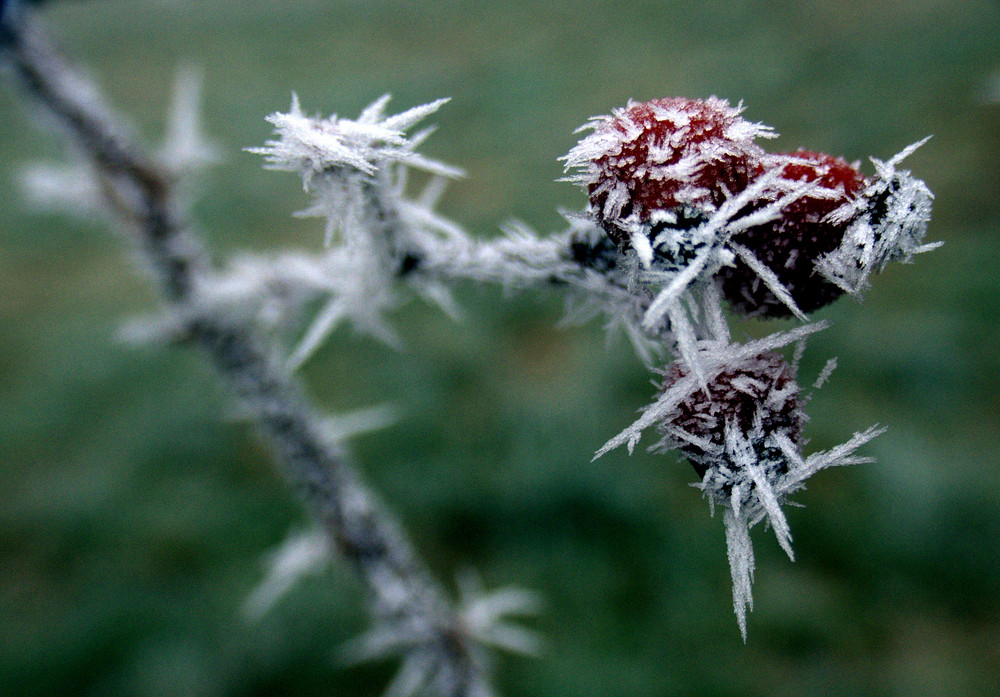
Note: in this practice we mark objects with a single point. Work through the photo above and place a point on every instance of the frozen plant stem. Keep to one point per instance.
(402, 591)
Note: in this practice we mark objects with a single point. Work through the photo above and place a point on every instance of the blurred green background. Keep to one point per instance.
(134, 515)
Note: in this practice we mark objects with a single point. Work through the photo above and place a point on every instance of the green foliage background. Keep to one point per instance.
(133, 514)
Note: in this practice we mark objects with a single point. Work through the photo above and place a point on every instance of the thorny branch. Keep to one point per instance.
(685, 210)
(142, 192)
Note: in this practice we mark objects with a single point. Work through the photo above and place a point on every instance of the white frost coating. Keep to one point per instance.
(825, 373)
(676, 153)
(75, 187)
(888, 222)
(769, 279)
(703, 250)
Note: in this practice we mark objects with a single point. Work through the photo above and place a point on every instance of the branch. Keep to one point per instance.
(142, 192)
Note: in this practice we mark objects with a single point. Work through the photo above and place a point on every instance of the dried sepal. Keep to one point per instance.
(886, 223)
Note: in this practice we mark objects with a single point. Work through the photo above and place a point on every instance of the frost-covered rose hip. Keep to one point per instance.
(673, 159)
(758, 397)
(791, 244)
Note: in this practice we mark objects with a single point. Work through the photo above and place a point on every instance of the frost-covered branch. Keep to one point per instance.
(142, 192)
(686, 213)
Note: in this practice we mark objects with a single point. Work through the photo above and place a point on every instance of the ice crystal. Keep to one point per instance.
(887, 222)
(186, 148)
(78, 187)
(715, 356)
(302, 554)
(682, 185)
(678, 185)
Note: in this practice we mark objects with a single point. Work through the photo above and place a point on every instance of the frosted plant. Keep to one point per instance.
(685, 211)
(675, 158)
(661, 275)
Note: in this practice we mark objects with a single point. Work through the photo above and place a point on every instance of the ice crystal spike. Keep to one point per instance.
(676, 156)
(186, 148)
(302, 554)
(790, 245)
(312, 146)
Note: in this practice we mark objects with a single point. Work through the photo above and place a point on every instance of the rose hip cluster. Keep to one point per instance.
(673, 162)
